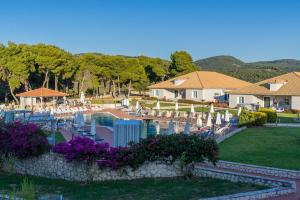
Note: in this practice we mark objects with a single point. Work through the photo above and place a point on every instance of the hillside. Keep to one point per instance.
(252, 72)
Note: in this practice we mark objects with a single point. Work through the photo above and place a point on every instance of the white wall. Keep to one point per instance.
(248, 99)
(206, 94)
(162, 93)
(295, 102)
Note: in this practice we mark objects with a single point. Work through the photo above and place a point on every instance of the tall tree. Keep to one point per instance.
(181, 63)
(17, 63)
(54, 61)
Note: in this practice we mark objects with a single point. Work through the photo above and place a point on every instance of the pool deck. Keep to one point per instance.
(102, 132)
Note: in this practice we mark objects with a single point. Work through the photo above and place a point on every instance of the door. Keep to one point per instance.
(176, 93)
(267, 102)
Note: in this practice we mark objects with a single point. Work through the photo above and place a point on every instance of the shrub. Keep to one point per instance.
(188, 101)
(81, 149)
(23, 140)
(166, 148)
(249, 118)
(271, 114)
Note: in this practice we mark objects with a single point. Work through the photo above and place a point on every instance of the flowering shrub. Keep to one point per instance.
(188, 149)
(166, 148)
(81, 149)
(23, 140)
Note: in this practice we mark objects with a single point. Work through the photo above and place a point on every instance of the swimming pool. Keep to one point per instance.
(149, 127)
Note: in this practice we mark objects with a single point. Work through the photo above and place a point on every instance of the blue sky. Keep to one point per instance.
(251, 30)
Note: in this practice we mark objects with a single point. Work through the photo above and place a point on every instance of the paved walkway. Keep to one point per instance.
(294, 196)
(102, 132)
(283, 124)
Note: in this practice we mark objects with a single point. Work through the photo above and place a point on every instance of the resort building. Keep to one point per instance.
(39, 96)
(281, 93)
(197, 86)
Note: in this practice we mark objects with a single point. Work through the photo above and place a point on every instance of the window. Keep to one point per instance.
(194, 94)
(156, 93)
(287, 101)
(241, 100)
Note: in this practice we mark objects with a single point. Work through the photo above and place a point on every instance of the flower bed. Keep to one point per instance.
(187, 149)
(22, 140)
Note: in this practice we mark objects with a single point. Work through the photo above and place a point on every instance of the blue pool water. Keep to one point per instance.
(149, 127)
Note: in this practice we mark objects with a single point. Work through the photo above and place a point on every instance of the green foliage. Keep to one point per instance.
(271, 114)
(27, 190)
(252, 72)
(177, 188)
(181, 63)
(250, 118)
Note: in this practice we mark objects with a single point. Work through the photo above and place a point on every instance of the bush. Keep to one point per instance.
(271, 114)
(187, 101)
(81, 149)
(249, 118)
(166, 148)
(23, 140)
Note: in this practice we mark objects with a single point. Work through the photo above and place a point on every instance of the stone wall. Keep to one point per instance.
(228, 135)
(278, 187)
(55, 166)
(255, 169)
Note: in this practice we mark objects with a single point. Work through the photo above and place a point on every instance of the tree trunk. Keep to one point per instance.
(110, 86)
(26, 86)
(114, 89)
(12, 94)
(56, 82)
(46, 80)
(119, 88)
(129, 88)
(47, 85)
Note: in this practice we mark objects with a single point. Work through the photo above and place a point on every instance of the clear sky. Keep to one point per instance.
(251, 30)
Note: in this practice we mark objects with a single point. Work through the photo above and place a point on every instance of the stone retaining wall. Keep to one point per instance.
(278, 187)
(228, 135)
(255, 169)
(55, 166)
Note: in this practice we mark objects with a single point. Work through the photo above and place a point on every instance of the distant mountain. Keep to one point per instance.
(252, 72)
(282, 63)
(220, 62)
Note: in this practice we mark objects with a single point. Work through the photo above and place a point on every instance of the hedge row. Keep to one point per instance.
(271, 114)
(250, 118)
(168, 148)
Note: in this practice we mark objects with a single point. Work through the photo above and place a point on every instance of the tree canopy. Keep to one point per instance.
(24, 67)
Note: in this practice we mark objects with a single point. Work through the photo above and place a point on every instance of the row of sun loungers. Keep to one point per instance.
(70, 110)
(174, 114)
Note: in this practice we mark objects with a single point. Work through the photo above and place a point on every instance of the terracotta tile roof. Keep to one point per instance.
(291, 86)
(42, 92)
(202, 80)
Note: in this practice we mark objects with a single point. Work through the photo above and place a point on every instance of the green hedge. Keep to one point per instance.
(271, 114)
(249, 118)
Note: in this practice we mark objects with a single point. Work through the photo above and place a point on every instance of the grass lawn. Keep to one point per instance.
(58, 136)
(142, 189)
(274, 147)
(286, 117)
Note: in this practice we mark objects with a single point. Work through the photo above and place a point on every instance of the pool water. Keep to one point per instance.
(149, 127)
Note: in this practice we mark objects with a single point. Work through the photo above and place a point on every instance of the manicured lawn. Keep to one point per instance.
(143, 189)
(286, 117)
(274, 147)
